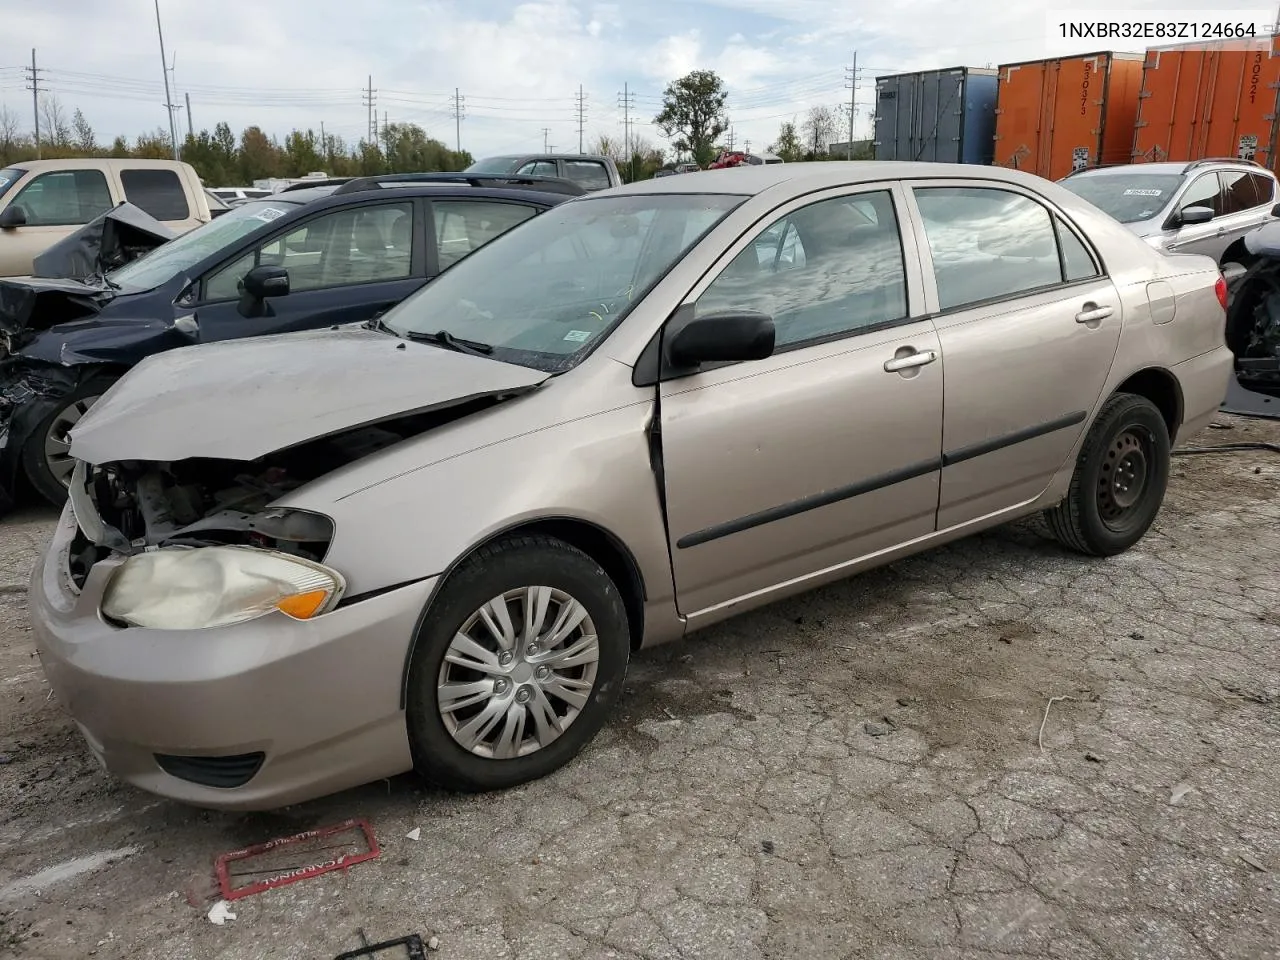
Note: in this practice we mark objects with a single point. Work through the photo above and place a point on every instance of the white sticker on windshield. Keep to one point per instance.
(1135, 192)
(578, 336)
(268, 214)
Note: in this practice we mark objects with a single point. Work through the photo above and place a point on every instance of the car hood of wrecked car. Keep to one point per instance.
(244, 399)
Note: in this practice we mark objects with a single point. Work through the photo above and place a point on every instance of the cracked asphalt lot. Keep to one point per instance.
(857, 772)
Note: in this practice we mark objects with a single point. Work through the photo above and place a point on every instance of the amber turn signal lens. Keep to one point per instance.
(303, 606)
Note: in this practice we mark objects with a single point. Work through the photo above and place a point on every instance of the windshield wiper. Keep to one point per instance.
(375, 323)
(443, 338)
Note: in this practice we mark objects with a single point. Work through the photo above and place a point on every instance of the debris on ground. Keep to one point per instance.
(1180, 791)
(433, 943)
(319, 843)
(875, 729)
(412, 944)
(220, 913)
(414, 834)
(766, 846)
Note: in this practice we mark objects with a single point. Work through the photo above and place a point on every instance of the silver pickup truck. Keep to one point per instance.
(588, 170)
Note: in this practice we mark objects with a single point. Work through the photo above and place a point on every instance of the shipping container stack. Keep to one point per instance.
(1210, 100)
(936, 116)
(1063, 114)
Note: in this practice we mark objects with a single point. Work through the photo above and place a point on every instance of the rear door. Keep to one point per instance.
(344, 265)
(160, 192)
(1029, 326)
(460, 226)
(780, 469)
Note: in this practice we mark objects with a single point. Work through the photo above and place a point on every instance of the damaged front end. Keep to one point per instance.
(28, 393)
(1253, 320)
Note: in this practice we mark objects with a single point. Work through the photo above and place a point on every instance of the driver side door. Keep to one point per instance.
(344, 266)
(778, 472)
(1203, 238)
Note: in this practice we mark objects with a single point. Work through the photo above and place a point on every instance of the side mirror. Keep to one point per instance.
(1192, 215)
(263, 282)
(722, 338)
(13, 216)
(1275, 211)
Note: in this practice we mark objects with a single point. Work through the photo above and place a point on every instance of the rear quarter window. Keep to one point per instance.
(158, 192)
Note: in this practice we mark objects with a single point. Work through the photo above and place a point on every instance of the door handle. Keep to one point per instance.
(1092, 313)
(909, 361)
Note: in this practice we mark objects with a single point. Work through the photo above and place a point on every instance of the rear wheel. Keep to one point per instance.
(1119, 482)
(517, 665)
(46, 456)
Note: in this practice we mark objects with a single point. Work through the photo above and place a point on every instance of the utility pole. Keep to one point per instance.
(853, 98)
(191, 127)
(34, 76)
(368, 100)
(458, 115)
(746, 146)
(582, 116)
(730, 141)
(168, 99)
(546, 132)
(628, 102)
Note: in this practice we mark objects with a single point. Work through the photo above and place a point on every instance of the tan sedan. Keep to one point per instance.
(300, 563)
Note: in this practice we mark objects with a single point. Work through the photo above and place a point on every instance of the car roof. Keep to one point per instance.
(314, 195)
(1172, 168)
(749, 180)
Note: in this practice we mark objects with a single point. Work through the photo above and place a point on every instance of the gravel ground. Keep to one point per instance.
(857, 772)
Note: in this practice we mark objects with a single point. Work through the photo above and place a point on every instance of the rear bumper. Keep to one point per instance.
(320, 700)
(1204, 381)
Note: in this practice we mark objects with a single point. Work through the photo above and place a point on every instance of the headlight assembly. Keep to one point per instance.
(191, 588)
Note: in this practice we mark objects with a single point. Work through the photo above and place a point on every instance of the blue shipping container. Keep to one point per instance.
(942, 116)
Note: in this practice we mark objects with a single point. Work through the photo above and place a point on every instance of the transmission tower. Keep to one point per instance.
(627, 101)
(851, 81)
(459, 114)
(582, 117)
(368, 98)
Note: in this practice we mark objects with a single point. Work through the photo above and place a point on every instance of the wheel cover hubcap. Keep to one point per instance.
(57, 442)
(518, 672)
(1124, 478)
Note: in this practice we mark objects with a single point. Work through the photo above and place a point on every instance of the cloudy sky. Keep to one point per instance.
(518, 65)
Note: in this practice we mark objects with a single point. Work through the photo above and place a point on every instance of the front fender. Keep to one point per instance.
(28, 393)
(420, 523)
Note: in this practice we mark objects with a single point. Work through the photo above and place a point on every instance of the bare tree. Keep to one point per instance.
(54, 128)
(10, 134)
(819, 129)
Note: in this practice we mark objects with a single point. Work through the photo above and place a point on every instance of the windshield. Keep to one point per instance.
(1127, 197)
(8, 177)
(544, 294)
(492, 165)
(182, 253)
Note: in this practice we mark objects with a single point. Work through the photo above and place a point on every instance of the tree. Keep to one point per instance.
(259, 157)
(819, 130)
(54, 128)
(120, 148)
(11, 139)
(788, 145)
(692, 114)
(85, 142)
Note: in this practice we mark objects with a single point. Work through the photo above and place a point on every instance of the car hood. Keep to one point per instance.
(36, 303)
(243, 399)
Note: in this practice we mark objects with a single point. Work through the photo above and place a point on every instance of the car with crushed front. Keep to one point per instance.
(301, 563)
(330, 253)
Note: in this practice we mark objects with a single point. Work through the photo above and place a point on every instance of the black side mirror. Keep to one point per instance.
(721, 338)
(1192, 215)
(259, 284)
(1275, 211)
(13, 216)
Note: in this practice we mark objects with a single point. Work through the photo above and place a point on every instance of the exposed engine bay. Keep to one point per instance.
(1253, 328)
(130, 506)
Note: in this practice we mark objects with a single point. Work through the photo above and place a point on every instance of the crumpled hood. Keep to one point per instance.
(243, 399)
(57, 300)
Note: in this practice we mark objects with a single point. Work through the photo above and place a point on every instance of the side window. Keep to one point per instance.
(588, 173)
(1077, 262)
(1239, 192)
(65, 198)
(987, 243)
(539, 168)
(820, 271)
(367, 244)
(464, 226)
(1266, 188)
(1204, 191)
(158, 192)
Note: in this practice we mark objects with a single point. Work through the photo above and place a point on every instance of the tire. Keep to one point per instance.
(1103, 514)
(48, 473)
(509, 568)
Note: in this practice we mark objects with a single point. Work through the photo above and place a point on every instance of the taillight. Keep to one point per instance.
(1220, 288)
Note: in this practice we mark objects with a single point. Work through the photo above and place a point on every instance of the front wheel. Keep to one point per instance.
(46, 455)
(517, 665)
(1119, 481)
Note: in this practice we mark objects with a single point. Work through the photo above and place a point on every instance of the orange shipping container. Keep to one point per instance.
(1209, 100)
(1066, 113)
